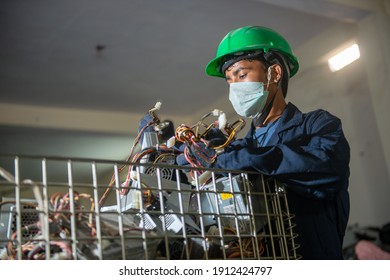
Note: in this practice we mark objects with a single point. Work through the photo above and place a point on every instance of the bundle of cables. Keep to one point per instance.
(243, 248)
(198, 145)
(59, 230)
(70, 217)
(203, 142)
(158, 153)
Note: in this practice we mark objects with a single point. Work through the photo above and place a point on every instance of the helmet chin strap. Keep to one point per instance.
(258, 122)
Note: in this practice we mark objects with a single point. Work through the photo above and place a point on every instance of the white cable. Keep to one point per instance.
(36, 192)
(222, 121)
(38, 197)
(6, 175)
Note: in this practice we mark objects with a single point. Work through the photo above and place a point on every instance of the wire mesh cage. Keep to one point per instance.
(57, 208)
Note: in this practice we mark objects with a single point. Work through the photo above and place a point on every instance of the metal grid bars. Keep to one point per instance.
(56, 208)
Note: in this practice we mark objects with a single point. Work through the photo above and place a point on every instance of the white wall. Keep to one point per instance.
(347, 94)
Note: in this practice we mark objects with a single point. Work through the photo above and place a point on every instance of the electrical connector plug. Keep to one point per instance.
(222, 121)
(171, 142)
(158, 105)
(216, 112)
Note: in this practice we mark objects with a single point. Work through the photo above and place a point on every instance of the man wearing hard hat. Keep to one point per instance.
(307, 152)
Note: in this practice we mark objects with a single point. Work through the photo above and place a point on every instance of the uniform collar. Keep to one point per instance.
(291, 116)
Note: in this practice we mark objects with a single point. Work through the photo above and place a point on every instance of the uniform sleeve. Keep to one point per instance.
(314, 164)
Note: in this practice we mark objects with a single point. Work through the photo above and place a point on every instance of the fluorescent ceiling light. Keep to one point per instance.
(344, 58)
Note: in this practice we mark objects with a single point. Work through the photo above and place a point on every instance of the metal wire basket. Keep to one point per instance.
(58, 208)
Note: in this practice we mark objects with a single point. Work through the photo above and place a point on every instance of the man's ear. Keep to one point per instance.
(276, 73)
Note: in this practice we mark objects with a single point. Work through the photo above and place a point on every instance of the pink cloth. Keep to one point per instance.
(366, 250)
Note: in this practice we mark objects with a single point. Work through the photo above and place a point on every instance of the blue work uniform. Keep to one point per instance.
(309, 154)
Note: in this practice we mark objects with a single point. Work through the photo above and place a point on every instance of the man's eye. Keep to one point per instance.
(242, 76)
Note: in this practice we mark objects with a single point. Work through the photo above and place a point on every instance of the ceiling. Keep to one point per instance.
(77, 75)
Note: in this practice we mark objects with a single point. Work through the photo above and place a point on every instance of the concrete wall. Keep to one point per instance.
(359, 95)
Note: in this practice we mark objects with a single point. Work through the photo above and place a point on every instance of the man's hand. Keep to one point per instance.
(197, 155)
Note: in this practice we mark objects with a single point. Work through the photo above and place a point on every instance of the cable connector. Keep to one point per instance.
(155, 108)
(216, 112)
(171, 142)
(158, 105)
(222, 121)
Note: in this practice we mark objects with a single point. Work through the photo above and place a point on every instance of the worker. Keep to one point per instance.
(307, 152)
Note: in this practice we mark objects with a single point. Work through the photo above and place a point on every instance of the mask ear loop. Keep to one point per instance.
(269, 76)
(259, 120)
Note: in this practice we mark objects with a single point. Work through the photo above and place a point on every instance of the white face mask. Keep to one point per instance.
(248, 98)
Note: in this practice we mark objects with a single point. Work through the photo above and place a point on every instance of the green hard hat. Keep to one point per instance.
(252, 38)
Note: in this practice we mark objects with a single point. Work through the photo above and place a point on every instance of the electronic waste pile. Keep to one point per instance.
(164, 202)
